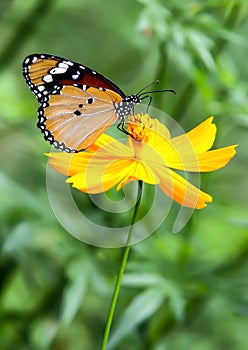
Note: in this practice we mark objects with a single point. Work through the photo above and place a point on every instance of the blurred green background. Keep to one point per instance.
(180, 291)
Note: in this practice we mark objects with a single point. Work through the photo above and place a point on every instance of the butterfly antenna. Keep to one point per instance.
(152, 92)
(154, 82)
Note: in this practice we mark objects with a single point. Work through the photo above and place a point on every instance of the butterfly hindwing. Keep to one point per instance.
(72, 117)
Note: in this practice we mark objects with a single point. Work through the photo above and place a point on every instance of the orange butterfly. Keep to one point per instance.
(76, 103)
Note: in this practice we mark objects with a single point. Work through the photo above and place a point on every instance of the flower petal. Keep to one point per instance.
(159, 133)
(187, 152)
(104, 176)
(215, 159)
(104, 141)
(201, 137)
(69, 163)
(180, 190)
(181, 152)
(96, 179)
(139, 171)
(103, 151)
(204, 162)
(172, 157)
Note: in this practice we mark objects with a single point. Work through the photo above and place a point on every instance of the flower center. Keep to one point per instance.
(138, 126)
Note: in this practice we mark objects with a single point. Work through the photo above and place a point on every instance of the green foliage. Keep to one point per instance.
(184, 290)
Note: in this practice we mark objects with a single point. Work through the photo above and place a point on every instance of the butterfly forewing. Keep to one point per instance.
(43, 72)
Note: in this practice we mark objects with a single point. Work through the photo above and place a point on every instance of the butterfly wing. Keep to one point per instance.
(71, 118)
(42, 72)
(76, 103)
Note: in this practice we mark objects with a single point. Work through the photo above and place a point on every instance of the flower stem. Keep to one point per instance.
(121, 270)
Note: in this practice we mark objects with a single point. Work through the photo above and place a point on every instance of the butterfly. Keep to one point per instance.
(77, 104)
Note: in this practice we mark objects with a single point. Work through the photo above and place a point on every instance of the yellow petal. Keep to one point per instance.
(180, 190)
(181, 152)
(159, 133)
(69, 163)
(104, 176)
(215, 159)
(139, 171)
(93, 180)
(201, 137)
(175, 150)
(188, 152)
(103, 151)
(117, 171)
(96, 179)
(161, 129)
(206, 161)
(175, 158)
(106, 146)
(100, 142)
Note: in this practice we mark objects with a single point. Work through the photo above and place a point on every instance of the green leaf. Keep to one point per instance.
(135, 280)
(141, 308)
(78, 274)
(43, 333)
(201, 45)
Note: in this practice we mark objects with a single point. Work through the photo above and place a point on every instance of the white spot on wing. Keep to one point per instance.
(59, 70)
(75, 76)
(42, 119)
(68, 62)
(48, 78)
(41, 87)
(63, 65)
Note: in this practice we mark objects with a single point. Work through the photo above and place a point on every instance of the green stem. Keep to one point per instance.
(121, 271)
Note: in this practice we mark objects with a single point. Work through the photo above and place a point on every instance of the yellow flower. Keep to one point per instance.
(149, 154)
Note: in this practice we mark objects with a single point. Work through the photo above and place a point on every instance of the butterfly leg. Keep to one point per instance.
(149, 102)
(121, 127)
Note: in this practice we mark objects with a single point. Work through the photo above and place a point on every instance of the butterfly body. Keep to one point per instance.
(77, 104)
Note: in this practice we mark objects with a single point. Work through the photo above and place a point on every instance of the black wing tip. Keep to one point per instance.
(29, 59)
